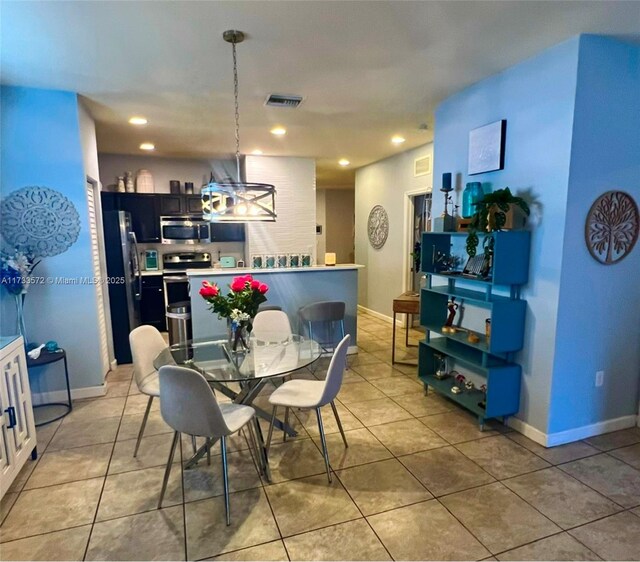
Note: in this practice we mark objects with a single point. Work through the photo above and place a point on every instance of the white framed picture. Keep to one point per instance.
(486, 148)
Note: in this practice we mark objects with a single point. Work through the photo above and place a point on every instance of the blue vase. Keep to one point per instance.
(472, 194)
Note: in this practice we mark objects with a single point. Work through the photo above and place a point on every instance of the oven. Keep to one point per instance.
(184, 230)
(174, 273)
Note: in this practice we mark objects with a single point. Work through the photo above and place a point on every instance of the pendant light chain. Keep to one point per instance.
(237, 109)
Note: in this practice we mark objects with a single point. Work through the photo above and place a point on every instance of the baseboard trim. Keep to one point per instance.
(399, 321)
(61, 395)
(571, 435)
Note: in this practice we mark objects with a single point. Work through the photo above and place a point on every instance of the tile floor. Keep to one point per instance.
(419, 481)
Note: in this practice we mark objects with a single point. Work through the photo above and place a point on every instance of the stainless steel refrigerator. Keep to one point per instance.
(124, 280)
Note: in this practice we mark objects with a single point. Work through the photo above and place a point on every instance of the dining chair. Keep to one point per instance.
(312, 395)
(146, 343)
(188, 405)
(323, 316)
(269, 323)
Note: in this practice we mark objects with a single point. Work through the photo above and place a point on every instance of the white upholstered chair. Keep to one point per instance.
(188, 405)
(306, 394)
(268, 324)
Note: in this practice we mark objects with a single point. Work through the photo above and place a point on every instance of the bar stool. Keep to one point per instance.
(326, 313)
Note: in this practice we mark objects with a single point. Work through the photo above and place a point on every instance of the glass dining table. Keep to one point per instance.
(241, 375)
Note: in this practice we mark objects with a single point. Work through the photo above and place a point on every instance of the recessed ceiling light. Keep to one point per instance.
(397, 139)
(278, 131)
(147, 146)
(344, 162)
(257, 152)
(136, 120)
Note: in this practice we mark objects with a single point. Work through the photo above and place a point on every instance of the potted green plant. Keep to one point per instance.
(499, 210)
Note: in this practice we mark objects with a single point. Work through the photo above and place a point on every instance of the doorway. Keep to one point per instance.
(420, 221)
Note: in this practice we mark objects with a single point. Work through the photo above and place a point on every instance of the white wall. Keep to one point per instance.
(88, 142)
(295, 228)
(321, 220)
(385, 183)
(340, 209)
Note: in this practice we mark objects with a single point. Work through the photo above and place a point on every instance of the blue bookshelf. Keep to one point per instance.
(498, 295)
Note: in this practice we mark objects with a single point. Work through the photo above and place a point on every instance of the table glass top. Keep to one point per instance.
(274, 355)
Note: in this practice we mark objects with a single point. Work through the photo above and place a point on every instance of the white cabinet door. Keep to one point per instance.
(7, 466)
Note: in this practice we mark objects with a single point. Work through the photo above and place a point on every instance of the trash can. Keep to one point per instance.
(179, 322)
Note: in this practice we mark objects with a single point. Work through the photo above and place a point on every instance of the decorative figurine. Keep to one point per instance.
(472, 337)
(445, 222)
(469, 385)
(442, 369)
(452, 306)
(483, 402)
(461, 379)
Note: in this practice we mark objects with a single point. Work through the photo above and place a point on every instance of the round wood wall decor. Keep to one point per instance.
(378, 226)
(612, 227)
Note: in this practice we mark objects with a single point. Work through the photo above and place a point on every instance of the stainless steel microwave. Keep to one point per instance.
(184, 230)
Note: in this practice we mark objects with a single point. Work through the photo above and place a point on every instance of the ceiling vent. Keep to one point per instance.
(422, 166)
(283, 100)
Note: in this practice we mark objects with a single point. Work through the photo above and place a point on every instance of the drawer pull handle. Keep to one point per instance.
(12, 416)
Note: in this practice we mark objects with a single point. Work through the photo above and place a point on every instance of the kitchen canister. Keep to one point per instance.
(128, 182)
(144, 182)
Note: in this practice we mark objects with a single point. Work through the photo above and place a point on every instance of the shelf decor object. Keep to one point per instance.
(486, 148)
(445, 222)
(495, 301)
(612, 226)
(378, 227)
(238, 201)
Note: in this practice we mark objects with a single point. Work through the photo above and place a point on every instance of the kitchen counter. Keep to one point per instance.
(146, 272)
(289, 288)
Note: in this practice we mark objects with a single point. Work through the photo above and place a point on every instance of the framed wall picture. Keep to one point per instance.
(486, 148)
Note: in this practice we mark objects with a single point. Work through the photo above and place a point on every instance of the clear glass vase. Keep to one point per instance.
(20, 325)
(238, 336)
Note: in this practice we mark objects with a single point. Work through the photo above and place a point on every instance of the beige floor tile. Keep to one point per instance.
(362, 358)
(420, 405)
(399, 386)
(353, 540)
(407, 437)
(137, 404)
(116, 389)
(363, 448)
(376, 371)
(271, 551)
(88, 432)
(155, 535)
(557, 547)
(153, 451)
(556, 455)
(381, 486)
(563, 499)
(407, 369)
(24, 474)
(310, 503)
(456, 427)
(69, 544)
(611, 477)
(51, 509)
(45, 433)
(130, 426)
(630, 455)
(615, 439)
(6, 503)
(385, 356)
(295, 459)
(614, 538)
(69, 465)
(445, 470)
(377, 412)
(499, 518)
(121, 372)
(358, 392)
(252, 524)
(138, 491)
(310, 421)
(94, 409)
(425, 531)
(501, 457)
(205, 481)
(374, 345)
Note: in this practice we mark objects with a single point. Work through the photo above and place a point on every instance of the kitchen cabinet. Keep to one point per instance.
(152, 302)
(227, 232)
(172, 205)
(17, 426)
(193, 205)
(145, 218)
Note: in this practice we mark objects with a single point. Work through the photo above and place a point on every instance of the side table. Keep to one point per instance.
(52, 411)
(407, 303)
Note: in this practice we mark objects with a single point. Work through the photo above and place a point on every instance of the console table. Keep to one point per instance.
(407, 303)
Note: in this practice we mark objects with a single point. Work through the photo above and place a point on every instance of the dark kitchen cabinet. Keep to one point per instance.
(144, 215)
(227, 232)
(172, 205)
(152, 310)
(193, 204)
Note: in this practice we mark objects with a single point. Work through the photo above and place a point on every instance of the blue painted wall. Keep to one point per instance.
(598, 327)
(41, 145)
(536, 97)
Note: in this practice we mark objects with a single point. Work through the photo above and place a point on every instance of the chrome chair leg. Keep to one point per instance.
(253, 450)
(225, 477)
(262, 449)
(286, 422)
(325, 452)
(273, 421)
(208, 444)
(167, 470)
(335, 413)
(144, 424)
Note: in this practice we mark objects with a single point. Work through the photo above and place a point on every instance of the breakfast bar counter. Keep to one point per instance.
(289, 288)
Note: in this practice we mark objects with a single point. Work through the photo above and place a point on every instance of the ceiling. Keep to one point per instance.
(367, 70)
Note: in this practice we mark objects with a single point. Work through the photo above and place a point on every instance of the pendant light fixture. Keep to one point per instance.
(238, 201)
